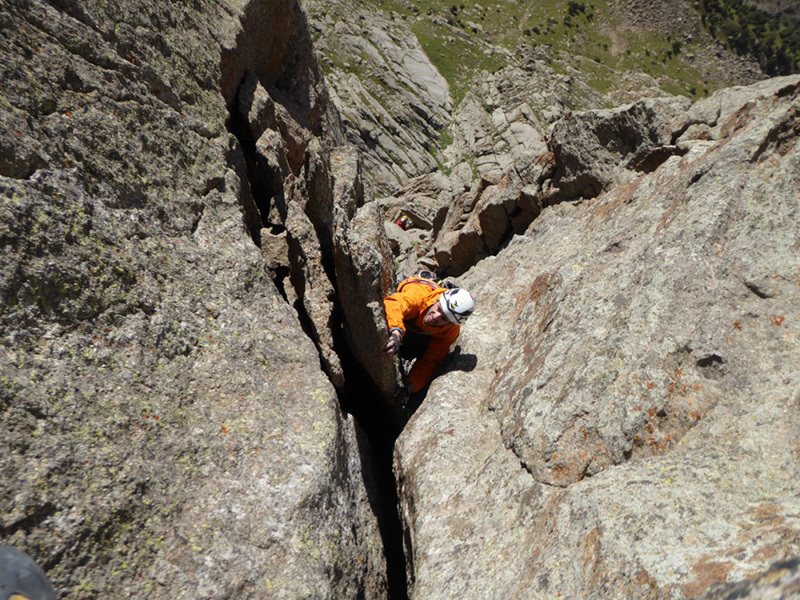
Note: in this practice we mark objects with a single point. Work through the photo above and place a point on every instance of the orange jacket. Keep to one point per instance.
(405, 309)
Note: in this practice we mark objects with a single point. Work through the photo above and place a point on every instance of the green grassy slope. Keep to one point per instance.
(458, 37)
(773, 38)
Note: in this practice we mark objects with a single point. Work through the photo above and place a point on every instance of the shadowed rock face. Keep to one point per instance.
(167, 429)
(627, 429)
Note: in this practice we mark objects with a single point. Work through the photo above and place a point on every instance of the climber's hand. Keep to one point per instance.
(393, 345)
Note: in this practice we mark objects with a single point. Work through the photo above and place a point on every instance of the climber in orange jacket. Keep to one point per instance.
(424, 320)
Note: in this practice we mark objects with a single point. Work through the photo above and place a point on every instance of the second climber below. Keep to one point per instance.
(424, 320)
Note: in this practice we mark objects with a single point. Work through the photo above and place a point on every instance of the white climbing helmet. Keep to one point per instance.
(457, 305)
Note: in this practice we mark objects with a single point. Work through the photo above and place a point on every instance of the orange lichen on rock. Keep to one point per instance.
(707, 572)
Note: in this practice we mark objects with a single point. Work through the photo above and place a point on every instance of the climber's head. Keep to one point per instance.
(456, 305)
(434, 316)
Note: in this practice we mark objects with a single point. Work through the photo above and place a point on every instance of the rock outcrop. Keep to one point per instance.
(618, 421)
(192, 271)
(167, 429)
(398, 108)
(394, 103)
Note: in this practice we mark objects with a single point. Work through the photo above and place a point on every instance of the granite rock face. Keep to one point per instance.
(167, 429)
(619, 420)
(598, 148)
(364, 274)
(502, 167)
(191, 259)
(393, 101)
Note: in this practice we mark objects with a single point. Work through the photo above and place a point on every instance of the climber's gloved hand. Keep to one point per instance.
(393, 345)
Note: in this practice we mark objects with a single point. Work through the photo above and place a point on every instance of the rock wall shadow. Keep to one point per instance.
(376, 467)
(457, 360)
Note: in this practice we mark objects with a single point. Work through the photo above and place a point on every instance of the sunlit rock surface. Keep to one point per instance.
(619, 420)
(191, 258)
(167, 430)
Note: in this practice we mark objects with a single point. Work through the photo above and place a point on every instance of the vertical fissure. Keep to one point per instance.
(358, 395)
(264, 185)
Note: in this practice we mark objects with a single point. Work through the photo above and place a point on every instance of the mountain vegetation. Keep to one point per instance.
(773, 39)
(605, 37)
